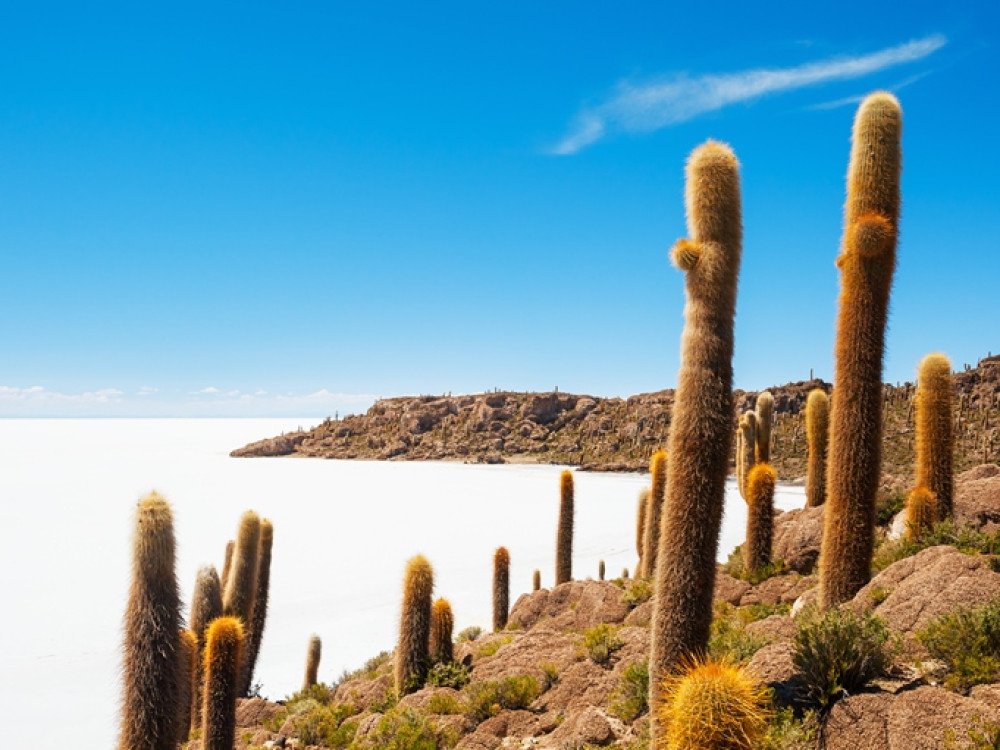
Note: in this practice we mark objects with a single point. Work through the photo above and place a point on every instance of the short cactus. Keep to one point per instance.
(713, 706)
(313, 653)
(241, 586)
(640, 527)
(152, 647)
(654, 512)
(536, 580)
(760, 516)
(701, 421)
(501, 588)
(935, 444)
(414, 626)
(227, 563)
(866, 262)
(765, 419)
(600, 570)
(442, 624)
(223, 656)
(206, 605)
(817, 433)
(746, 450)
(564, 536)
(187, 682)
(258, 617)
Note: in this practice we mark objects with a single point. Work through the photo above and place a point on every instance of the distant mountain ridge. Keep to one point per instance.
(615, 434)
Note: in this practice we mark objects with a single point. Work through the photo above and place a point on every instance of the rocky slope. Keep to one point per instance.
(609, 434)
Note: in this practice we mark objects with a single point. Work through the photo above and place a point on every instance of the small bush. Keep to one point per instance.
(968, 641)
(839, 652)
(601, 641)
(637, 591)
(471, 633)
(369, 671)
(735, 566)
(444, 703)
(317, 724)
(405, 729)
(488, 698)
(492, 646)
(887, 506)
(981, 737)
(630, 699)
(730, 640)
(965, 540)
(550, 674)
(451, 674)
(786, 732)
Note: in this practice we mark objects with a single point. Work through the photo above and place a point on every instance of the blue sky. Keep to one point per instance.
(289, 209)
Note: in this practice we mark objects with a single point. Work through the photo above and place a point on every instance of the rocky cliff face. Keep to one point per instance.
(615, 434)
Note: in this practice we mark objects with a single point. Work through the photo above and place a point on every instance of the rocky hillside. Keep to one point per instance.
(615, 434)
(570, 670)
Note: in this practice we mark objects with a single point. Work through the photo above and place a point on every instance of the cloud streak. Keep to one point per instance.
(642, 108)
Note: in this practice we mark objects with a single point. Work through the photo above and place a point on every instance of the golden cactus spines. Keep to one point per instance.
(314, 651)
(258, 616)
(564, 535)
(935, 443)
(536, 580)
(152, 648)
(817, 434)
(189, 657)
(713, 706)
(640, 527)
(241, 586)
(760, 516)
(701, 421)
(867, 261)
(414, 626)
(654, 511)
(442, 624)
(746, 451)
(765, 419)
(921, 508)
(223, 656)
(501, 588)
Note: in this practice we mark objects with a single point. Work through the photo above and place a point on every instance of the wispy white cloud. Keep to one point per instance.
(645, 107)
(856, 99)
(39, 395)
(208, 391)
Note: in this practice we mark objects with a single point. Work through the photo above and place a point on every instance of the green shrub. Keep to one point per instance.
(369, 671)
(965, 540)
(405, 729)
(982, 737)
(637, 591)
(318, 724)
(451, 674)
(444, 703)
(550, 674)
(471, 633)
(839, 652)
(601, 641)
(630, 699)
(488, 698)
(735, 566)
(493, 645)
(887, 506)
(786, 732)
(730, 640)
(968, 641)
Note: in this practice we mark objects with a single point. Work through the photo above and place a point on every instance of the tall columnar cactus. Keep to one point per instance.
(223, 654)
(921, 506)
(867, 261)
(760, 516)
(935, 444)
(258, 618)
(817, 433)
(152, 650)
(188, 688)
(414, 626)
(536, 580)
(564, 536)
(746, 454)
(765, 419)
(701, 423)
(600, 570)
(206, 605)
(501, 588)
(442, 624)
(313, 653)
(241, 586)
(640, 527)
(227, 563)
(654, 512)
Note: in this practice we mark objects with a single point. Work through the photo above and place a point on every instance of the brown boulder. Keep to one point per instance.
(773, 666)
(576, 605)
(783, 589)
(977, 498)
(860, 722)
(925, 718)
(797, 538)
(590, 727)
(729, 589)
(910, 593)
(253, 711)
